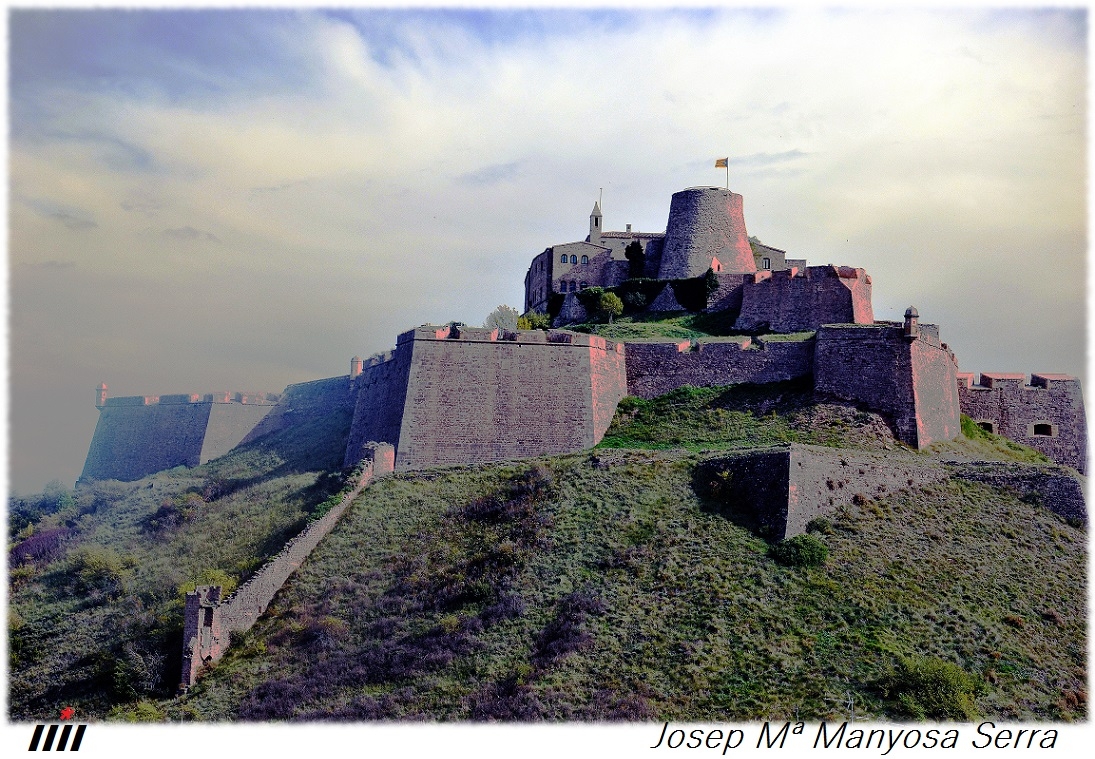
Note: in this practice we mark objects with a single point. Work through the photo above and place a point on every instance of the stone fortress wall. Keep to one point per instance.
(457, 395)
(655, 368)
(793, 300)
(909, 377)
(138, 435)
(209, 621)
(1047, 414)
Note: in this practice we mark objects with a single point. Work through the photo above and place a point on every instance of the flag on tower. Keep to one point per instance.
(722, 163)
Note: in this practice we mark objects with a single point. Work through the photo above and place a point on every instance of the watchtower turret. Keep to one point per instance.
(100, 395)
(912, 328)
(596, 224)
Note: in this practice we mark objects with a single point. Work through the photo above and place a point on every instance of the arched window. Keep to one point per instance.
(573, 286)
(585, 259)
(574, 259)
(766, 263)
(563, 258)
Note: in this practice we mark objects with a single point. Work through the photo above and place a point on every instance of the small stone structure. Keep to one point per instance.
(1047, 414)
(210, 621)
(778, 491)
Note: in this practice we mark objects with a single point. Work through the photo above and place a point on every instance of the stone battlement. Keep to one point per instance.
(828, 271)
(465, 334)
(1012, 381)
(248, 398)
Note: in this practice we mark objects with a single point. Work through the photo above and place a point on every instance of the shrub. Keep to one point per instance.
(933, 689)
(820, 525)
(611, 305)
(98, 568)
(800, 551)
(40, 548)
(534, 320)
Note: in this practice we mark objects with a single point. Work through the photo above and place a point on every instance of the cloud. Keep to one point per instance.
(190, 233)
(385, 168)
(490, 174)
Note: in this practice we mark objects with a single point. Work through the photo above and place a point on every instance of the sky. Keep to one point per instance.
(243, 199)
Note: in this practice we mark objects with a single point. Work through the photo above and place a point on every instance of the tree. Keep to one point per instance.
(637, 256)
(611, 305)
(503, 317)
(533, 320)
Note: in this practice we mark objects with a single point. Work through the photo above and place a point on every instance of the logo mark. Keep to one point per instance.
(51, 735)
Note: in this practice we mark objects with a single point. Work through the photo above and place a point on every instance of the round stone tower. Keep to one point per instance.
(100, 395)
(706, 230)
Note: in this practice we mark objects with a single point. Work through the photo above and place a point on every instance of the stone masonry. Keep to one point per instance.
(1047, 414)
(459, 395)
(138, 435)
(209, 620)
(778, 491)
(907, 378)
(706, 230)
(796, 300)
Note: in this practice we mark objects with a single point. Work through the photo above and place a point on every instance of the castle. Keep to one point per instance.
(459, 395)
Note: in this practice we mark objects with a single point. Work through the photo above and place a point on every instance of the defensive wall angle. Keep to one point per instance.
(459, 395)
(138, 435)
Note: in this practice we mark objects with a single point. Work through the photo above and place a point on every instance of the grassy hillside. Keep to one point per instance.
(95, 608)
(591, 586)
(600, 587)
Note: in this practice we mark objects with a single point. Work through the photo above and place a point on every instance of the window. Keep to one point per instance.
(585, 259)
(563, 258)
(574, 259)
(1043, 430)
(766, 263)
(573, 286)
(583, 286)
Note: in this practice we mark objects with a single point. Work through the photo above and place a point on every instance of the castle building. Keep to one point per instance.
(705, 230)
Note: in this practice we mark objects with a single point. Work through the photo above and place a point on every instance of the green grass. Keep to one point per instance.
(696, 622)
(101, 624)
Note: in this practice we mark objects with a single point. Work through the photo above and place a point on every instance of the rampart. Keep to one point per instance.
(777, 492)
(1055, 489)
(460, 395)
(138, 435)
(795, 300)
(209, 621)
(705, 223)
(907, 378)
(1047, 414)
(656, 368)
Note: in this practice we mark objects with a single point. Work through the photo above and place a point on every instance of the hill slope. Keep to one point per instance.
(590, 586)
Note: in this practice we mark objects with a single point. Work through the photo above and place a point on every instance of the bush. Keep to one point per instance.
(933, 689)
(534, 320)
(98, 568)
(820, 525)
(800, 551)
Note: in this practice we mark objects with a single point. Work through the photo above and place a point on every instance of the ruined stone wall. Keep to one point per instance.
(1055, 489)
(210, 621)
(655, 368)
(797, 300)
(777, 492)
(477, 395)
(874, 365)
(705, 223)
(1013, 408)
